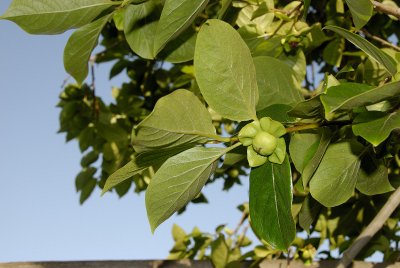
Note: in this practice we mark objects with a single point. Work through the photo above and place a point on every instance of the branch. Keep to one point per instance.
(380, 40)
(375, 225)
(388, 10)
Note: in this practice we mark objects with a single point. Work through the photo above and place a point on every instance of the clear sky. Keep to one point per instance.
(41, 218)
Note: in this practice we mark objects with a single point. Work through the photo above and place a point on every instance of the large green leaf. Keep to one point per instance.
(140, 27)
(54, 16)
(270, 204)
(340, 100)
(374, 178)
(139, 163)
(361, 11)
(276, 83)
(179, 180)
(177, 119)
(334, 180)
(310, 108)
(219, 252)
(337, 96)
(176, 16)
(225, 71)
(79, 47)
(375, 126)
(388, 62)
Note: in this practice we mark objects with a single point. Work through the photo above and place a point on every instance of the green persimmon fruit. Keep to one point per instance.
(248, 132)
(254, 158)
(264, 143)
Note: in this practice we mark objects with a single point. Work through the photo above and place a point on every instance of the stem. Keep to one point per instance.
(388, 10)
(380, 40)
(375, 225)
(217, 137)
(303, 127)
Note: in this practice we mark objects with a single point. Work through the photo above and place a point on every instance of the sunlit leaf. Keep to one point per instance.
(54, 16)
(225, 71)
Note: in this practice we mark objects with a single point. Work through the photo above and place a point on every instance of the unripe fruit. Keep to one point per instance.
(248, 132)
(233, 173)
(254, 158)
(264, 143)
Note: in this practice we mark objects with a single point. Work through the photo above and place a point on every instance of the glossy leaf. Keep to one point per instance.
(270, 204)
(376, 126)
(340, 101)
(337, 173)
(177, 119)
(361, 11)
(225, 71)
(54, 16)
(337, 96)
(370, 49)
(374, 179)
(176, 16)
(178, 181)
(276, 83)
(79, 47)
(140, 27)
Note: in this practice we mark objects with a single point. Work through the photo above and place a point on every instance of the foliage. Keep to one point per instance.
(296, 82)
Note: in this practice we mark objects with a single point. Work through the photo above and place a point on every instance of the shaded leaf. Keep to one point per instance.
(277, 112)
(54, 16)
(276, 83)
(375, 126)
(79, 47)
(178, 181)
(271, 202)
(225, 71)
(337, 173)
(374, 179)
(361, 11)
(388, 62)
(310, 108)
(140, 27)
(181, 49)
(308, 213)
(176, 16)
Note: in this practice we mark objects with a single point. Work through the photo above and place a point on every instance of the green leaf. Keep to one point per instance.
(307, 4)
(361, 11)
(337, 173)
(277, 112)
(388, 62)
(341, 101)
(54, 16)
(178, 118)
(225, 71)
(178, 181)
(139, 163)
(219, 252)
(178, 233)
(308, 213)
(276, 83)
(337, 96)
(307, 149)
(87, 190)
(176, 16)
(79, 47)
(374, 179)
(140, 27)
(181, 49)
(375, 126)
(271, 202)
(310, 108)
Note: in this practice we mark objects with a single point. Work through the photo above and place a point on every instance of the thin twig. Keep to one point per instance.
(93, 87)
(380, 40)
(388, 10)
(372, 228)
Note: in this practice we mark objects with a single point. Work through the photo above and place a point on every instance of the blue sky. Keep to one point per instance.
(41, 218)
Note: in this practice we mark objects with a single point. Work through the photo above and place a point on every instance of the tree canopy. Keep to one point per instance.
(299, 97)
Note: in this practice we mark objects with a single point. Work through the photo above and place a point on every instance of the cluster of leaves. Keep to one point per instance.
(200, 69)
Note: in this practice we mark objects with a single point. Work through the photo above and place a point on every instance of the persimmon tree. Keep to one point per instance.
(301, 98)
